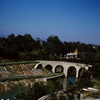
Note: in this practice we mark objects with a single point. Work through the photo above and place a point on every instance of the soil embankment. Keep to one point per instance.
(17, 71)
(26, 70)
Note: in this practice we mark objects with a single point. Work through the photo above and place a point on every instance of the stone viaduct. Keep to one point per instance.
(65, 65)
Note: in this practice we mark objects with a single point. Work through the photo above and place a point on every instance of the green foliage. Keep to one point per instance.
(62, 98)
(26, 48)
(70, 96)
(28, 77)
(96, 71)
(38, 90)
(71, 88)
(85, 82)
(52, 87)
(22, 62)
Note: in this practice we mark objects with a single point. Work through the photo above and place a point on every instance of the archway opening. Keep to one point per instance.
(39, 66)
(71, 71)
(59, 69)
(71, 75)
(48, 67)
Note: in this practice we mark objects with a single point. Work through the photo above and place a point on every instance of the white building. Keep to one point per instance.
(72, 55)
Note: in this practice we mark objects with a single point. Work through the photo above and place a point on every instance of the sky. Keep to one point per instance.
(70, 20)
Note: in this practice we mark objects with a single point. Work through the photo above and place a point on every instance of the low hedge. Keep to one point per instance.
(2, 79)
(22, 62)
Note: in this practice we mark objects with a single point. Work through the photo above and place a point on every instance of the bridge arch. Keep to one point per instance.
(72, 71)
(59, 69)
(71, 74)
(38, 66)
(49, 67)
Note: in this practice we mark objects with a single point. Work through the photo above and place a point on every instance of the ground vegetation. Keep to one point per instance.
(40, 89)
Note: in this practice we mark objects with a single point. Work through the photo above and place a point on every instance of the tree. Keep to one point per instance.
(81, 76)
(50, 48)
(97, 57)
(59, 47)
(38, 90)
(11, 37)
(14, 45)
(52, 88)
(28, 43)
(96, 71)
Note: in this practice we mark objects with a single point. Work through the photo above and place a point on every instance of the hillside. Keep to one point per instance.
(15, 71)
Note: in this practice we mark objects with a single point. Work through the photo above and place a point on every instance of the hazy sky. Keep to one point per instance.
(70, 20)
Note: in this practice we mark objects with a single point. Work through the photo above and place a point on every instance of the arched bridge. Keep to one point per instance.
(61, 66)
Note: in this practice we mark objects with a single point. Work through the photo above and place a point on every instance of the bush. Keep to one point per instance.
(62, 98)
